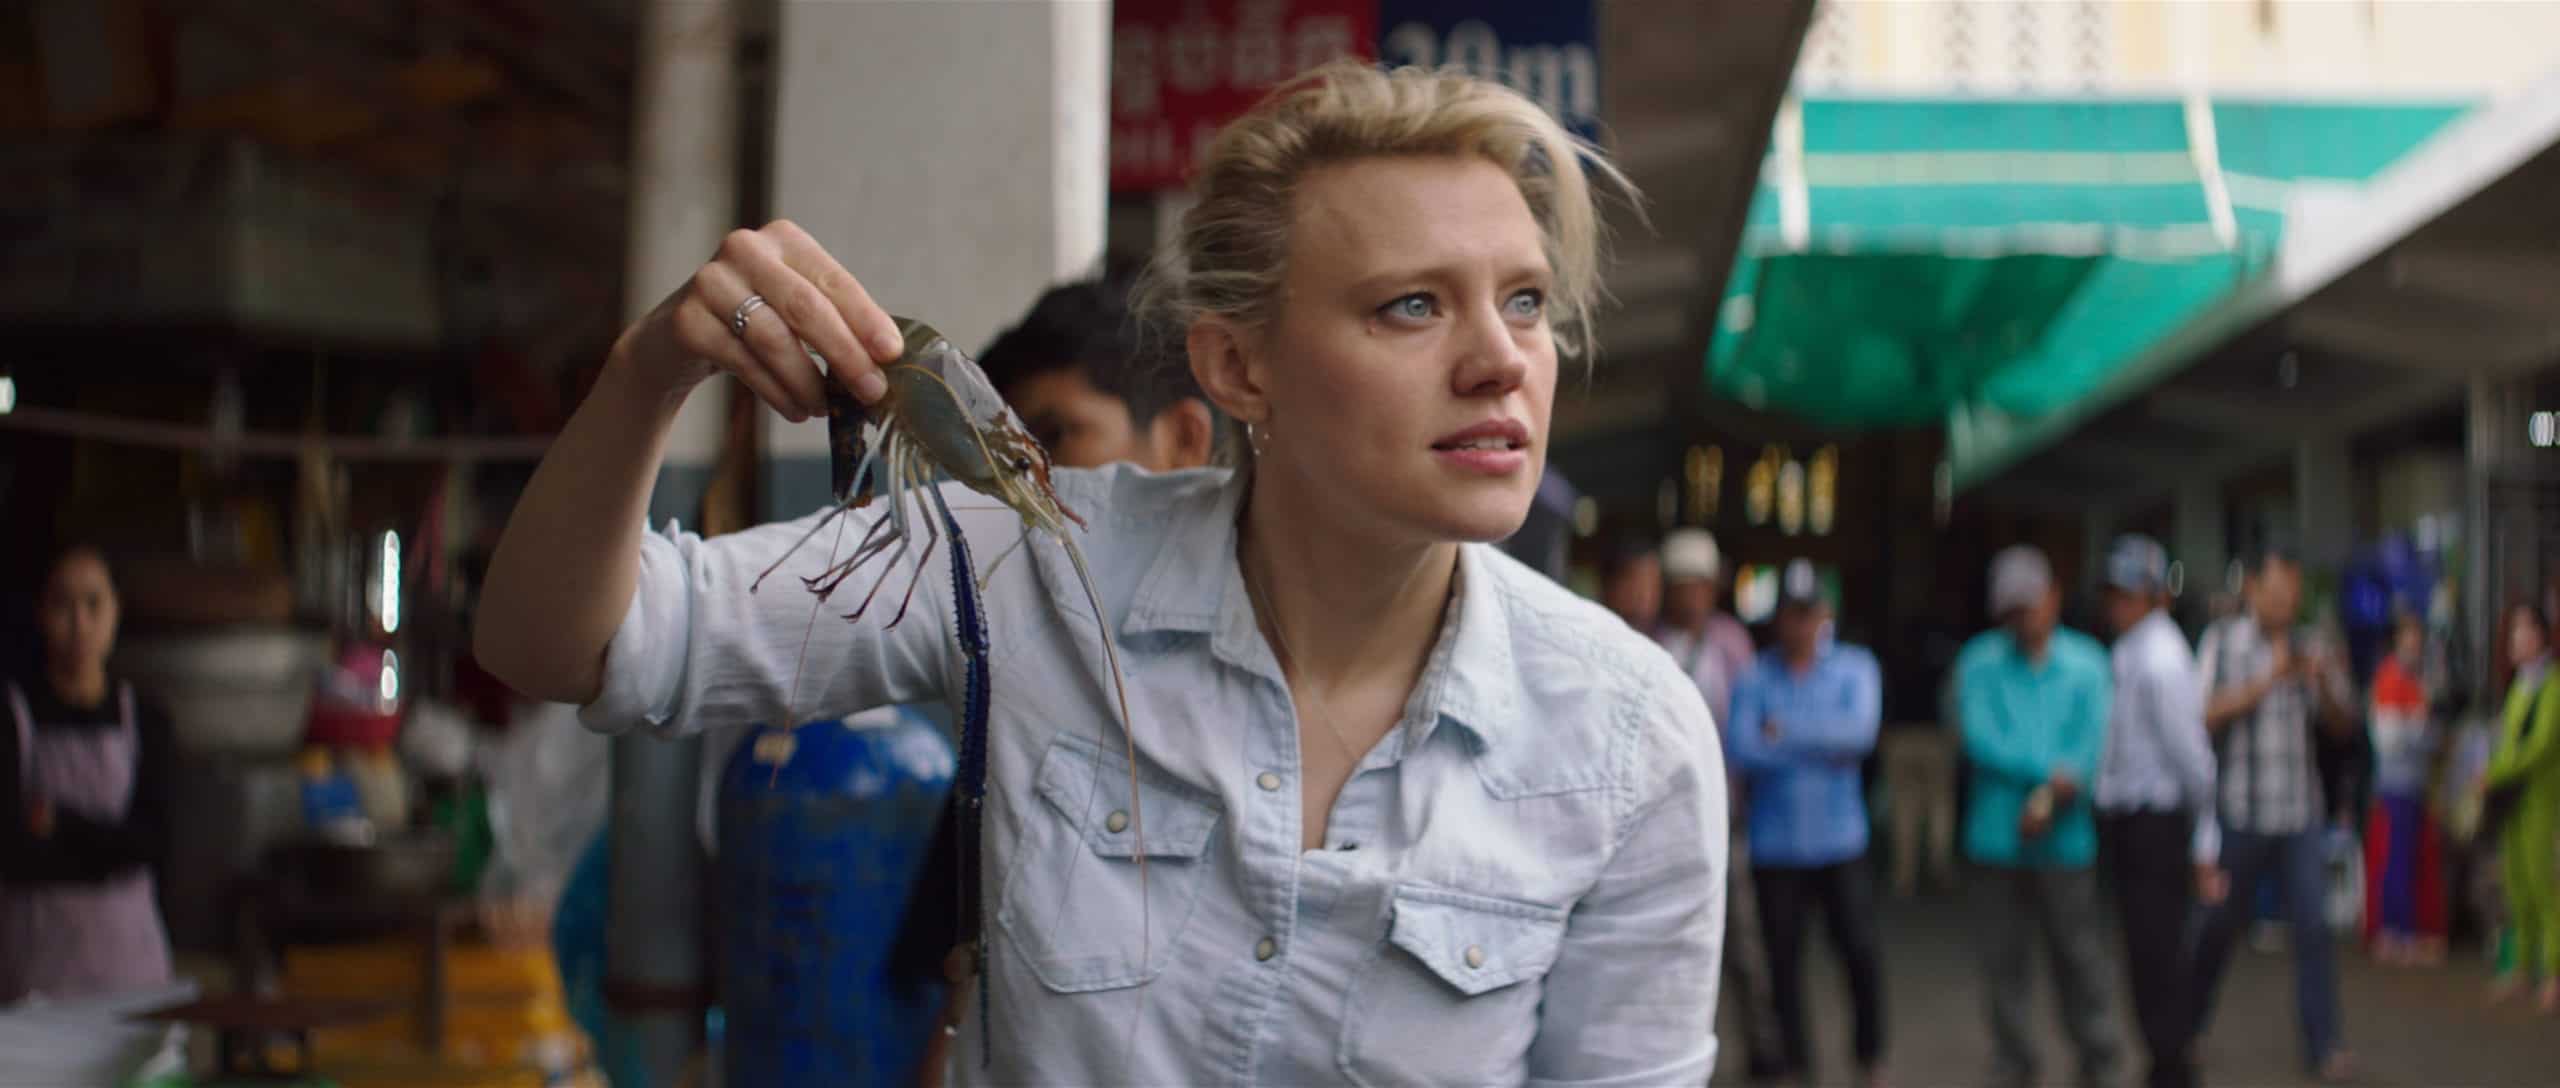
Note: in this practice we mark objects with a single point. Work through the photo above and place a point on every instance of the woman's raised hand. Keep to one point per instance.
(750, 310)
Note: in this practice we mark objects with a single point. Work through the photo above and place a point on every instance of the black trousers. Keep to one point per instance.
(2148, 863)
(1845, 894)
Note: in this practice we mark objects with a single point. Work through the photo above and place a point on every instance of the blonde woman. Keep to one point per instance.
(1413, 813)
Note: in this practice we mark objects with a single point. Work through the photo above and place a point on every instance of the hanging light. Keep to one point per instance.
(1705, 469)
(8, 394)
(1791, 497)
(1822, 498)
(390, 686)
(1759, 489)
(388, 600)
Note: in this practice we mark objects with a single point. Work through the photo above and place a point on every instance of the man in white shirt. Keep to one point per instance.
(2156, 777)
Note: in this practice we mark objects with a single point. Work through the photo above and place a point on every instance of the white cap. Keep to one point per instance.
(2020, 578)
(1690, 555)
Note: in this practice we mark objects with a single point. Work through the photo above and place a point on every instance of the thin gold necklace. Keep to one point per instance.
(1280, 643)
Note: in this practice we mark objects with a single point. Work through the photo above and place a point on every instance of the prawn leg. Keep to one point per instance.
(933, 535)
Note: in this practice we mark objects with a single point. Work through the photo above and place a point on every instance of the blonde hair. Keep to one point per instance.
(1228, 258)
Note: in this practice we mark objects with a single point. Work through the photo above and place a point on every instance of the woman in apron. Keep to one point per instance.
(83, 778)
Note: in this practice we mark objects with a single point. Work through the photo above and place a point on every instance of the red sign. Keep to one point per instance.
(1181, 68)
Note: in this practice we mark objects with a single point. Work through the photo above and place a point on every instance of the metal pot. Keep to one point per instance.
(245, 688)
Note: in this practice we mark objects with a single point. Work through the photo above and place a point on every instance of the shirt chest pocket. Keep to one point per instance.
(1453, 991)
(1075, 907)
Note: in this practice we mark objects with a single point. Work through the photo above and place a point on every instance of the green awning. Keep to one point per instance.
(1911, 261)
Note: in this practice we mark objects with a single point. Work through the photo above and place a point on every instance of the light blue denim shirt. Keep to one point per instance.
(1523, 883)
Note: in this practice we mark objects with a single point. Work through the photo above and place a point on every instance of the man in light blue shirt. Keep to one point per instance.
(1803, 721)
(2033, 700)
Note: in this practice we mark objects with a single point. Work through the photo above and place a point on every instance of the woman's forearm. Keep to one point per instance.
(568, 561)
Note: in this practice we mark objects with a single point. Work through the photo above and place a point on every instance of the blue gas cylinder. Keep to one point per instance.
(823, 831)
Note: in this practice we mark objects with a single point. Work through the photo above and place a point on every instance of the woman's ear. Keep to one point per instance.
(1224, 362)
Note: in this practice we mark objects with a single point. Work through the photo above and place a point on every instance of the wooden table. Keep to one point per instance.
(243, 1025)
(273, 919)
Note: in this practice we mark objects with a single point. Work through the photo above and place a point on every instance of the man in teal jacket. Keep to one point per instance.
(2033, 697)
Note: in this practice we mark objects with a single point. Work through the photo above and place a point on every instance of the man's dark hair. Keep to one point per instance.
(2266, 557)
(1622, 548)
(1086, 325)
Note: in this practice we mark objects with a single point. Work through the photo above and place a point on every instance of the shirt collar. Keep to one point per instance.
(1774, 661)
(1193, 586)
(2157, 624)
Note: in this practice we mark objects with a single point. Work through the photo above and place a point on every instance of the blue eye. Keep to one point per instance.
(1528, 304)
(1413, 307)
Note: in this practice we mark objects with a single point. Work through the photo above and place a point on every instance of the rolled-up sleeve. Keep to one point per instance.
(703, 645)
(1632, 999)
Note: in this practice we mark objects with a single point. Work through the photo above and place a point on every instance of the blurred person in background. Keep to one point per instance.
(1804, 720)
(2521, 813)
(2404, 915)
(1071, 369)
(2267, 684)
(1715, 650)
(2156, 778)
(1631, 580)
(2034, 697)
(84, 783)
(1710, 645)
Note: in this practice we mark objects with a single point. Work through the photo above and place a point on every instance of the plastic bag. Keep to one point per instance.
(546, 800)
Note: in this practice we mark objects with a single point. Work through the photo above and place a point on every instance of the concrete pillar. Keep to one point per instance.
(2494, 422)
(2097, 530)
(2324, 502)
(2200, 542)
(954, 157)
(683, 199)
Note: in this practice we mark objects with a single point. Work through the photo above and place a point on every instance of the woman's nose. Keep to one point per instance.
(1494, 362)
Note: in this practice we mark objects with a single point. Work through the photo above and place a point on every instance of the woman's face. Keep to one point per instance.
(2525, 640)
(78, 613)
(1409, 369)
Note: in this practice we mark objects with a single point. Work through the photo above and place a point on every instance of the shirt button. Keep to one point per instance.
(1475, 955)
(1266, 949)
(1117, 822)
(1268, 781)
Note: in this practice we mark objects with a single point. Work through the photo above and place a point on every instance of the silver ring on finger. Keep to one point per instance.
(738, 318)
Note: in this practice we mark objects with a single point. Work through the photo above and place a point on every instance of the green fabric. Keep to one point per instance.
(1990, 265)
(1906, 339)
(2529, 847)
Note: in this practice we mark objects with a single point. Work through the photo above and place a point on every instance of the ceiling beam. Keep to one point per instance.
(2229, 416)
(2522, 277)
(2277, 434)
(2092, 447)
(2030, 495)
(2406, 332)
